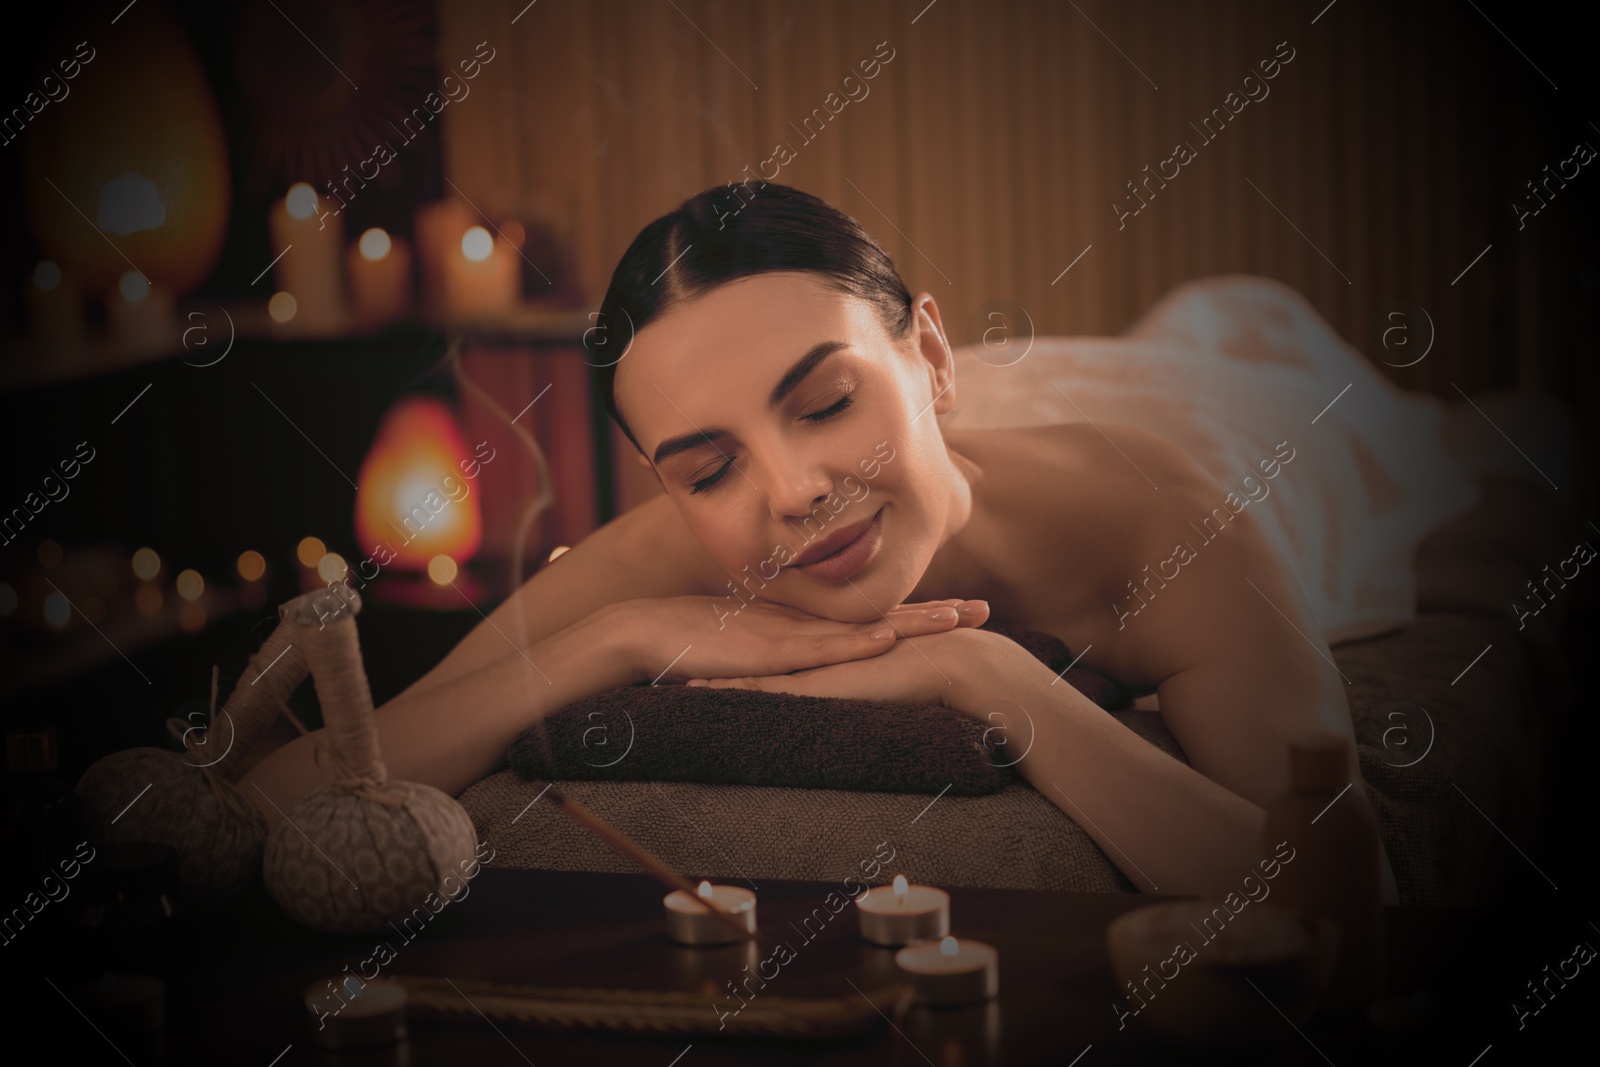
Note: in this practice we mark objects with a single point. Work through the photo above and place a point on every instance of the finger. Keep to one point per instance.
(820, 650)
(973, 612)
(731, 683)
(936, 617)
(915, 620)
(926, 605)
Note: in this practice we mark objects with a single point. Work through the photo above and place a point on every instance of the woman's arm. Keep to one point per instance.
(450, 734)
(1166, 825)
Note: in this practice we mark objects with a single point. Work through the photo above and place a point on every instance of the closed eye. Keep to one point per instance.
(712, 479)
(830, 411)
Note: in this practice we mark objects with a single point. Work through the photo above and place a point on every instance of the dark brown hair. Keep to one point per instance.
(718, 236)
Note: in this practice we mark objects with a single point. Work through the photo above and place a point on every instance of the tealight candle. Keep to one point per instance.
(899, 914)
(949, 971)
(690, 921)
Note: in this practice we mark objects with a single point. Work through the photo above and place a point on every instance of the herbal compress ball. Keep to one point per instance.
(360, 852)
(188, 800)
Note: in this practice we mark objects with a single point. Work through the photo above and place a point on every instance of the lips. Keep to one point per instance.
(833, 542)
(845, 552)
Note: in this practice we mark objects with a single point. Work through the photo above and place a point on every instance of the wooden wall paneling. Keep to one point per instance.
(1351, 162)
(1200, 178)
(1181, 253)
(490, 115)
(821, 54)
(1023, 146)
(1384, 164)
(1080, 189)
(1103, 84)
(1430, 116)
(1109, 131)
(869, 129)
(998, 138)
(1406, 127)
(733, 145)
(600, 170)
(1154, 266)
(1049, 178)
(621, 174)
(989, 208)
(1268, 132)
(554, 47)
(668, 110)
(931, 246)
(1280, 139)
(1323, 222)
(779, 50)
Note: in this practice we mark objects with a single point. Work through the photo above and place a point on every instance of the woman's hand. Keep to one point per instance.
(677, 638)
(958, 668)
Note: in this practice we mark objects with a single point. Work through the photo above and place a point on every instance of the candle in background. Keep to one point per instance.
(55, 309)
(141, 314)
(482, 279)
(689, 919)
(468, 272)
(147, 567)
(899, 914)
(310, 243)
(438, 227)
(949, 972)
(252, 568)
(191, 587)
(309, 552)
(379, 269)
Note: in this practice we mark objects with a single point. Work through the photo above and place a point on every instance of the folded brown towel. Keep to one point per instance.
(675, 733)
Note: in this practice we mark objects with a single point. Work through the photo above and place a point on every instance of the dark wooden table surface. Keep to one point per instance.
(238, 997)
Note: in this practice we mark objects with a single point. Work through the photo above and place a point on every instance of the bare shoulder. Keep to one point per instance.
(1080, 512)
(1091, 477)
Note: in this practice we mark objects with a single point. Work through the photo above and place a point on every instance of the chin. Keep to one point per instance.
(875, 593)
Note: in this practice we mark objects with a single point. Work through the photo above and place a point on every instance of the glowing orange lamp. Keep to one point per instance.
(413, 494)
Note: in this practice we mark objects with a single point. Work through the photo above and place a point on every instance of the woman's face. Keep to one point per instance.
(781, 418)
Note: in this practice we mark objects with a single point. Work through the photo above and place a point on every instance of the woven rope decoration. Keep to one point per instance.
(362, 851)
(191, 803)
(643, 1011)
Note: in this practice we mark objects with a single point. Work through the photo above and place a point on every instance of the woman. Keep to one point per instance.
(785, 389)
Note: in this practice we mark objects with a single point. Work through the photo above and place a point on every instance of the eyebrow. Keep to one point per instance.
(786, 385)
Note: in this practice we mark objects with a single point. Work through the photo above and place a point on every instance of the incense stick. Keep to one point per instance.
(664, 874)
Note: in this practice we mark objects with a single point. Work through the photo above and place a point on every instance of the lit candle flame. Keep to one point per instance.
(900, 890)
(374, 244)
(704, 890)
(476, 244)
(949, 948)
(301, 201)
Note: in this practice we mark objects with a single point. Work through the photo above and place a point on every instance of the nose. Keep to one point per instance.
(794, 485)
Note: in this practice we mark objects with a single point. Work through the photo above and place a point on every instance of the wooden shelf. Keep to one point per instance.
(222, 323)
